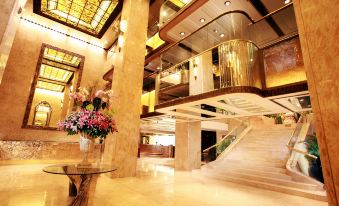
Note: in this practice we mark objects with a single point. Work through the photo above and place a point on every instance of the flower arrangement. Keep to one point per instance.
(94, 118)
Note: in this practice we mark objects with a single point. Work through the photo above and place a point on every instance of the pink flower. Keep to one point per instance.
(99, 93)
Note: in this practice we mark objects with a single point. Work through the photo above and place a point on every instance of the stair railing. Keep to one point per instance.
(213, 152)
(298, 136)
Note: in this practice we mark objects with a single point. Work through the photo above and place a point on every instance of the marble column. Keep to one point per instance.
(187, 145)
(188, 134)
(122, 149)
(318, 27)
(9, 15)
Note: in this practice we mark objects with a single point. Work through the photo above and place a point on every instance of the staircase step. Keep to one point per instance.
(267, 168)
(270, 180)
(317, 195)
(269, 158)
(260, 173)
(259, 160)
(255, 162)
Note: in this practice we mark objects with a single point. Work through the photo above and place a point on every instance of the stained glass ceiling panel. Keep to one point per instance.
(54, 73)
(61, 57)
(89, 16)
(50, 86)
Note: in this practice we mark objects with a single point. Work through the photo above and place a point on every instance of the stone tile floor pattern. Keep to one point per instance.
(157, 183)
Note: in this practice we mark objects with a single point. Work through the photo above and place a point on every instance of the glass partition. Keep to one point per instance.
(170, 8)
(229, 26)
(264, 34)
(230, 45)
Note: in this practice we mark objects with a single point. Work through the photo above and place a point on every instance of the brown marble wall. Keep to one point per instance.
(283, 63)
(21, 66)
(42, 150)
(318, 30)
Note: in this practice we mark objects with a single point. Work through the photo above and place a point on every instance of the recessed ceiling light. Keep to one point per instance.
(222, 35)
(202, 20)
(287, 1)
(182, 33)
(227, 3)
(215, 31)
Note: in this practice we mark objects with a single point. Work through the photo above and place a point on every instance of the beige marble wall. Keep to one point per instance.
(20, 69)
(122, 149)
(187, 146)
(318, 30)
(204, 81)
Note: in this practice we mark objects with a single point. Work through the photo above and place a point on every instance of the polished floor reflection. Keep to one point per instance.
(156, 184)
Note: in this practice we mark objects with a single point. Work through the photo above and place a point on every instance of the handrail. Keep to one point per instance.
(304, 153)
(299, 124)
(292, 147)
(273, 12)
(218, 143)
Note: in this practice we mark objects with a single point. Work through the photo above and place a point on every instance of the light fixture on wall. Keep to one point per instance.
(195, 68)
(182, 33)
(202, 20)
(123, 29)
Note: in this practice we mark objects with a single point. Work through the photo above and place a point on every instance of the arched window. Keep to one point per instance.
(42, 114)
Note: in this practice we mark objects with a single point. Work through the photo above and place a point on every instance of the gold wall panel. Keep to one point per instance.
(238, 64)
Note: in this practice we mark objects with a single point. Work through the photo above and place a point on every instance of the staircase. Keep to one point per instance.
(259, 160)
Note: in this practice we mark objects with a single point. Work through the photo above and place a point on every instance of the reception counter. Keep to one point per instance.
(156, 150)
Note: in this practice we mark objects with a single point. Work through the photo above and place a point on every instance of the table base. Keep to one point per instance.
(82, 187)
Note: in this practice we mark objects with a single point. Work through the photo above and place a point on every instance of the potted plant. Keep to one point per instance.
(315, 169)
(92, 119)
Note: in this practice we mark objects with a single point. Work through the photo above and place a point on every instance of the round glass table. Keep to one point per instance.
(82, 179)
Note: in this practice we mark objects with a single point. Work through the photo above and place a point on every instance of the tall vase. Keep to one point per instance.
(85, 145)
(102, 149)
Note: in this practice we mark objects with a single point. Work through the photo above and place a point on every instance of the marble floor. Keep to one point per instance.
(156, 184)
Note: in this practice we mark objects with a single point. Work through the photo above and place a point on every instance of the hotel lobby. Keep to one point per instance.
(169, 102)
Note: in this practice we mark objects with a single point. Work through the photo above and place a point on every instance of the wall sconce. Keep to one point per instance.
(123, 29)
(195, 68)
(120, 41)
(123, 26)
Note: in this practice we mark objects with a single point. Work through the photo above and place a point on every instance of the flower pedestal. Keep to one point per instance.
(85, 146)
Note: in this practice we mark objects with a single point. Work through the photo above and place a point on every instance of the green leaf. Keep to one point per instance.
(96, 103)
(104, 104)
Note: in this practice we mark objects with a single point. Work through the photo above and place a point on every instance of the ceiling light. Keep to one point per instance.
(182, 33)
(202, 20)
(222, 35)
(287, 1)
(227, 3)
(215, 31)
